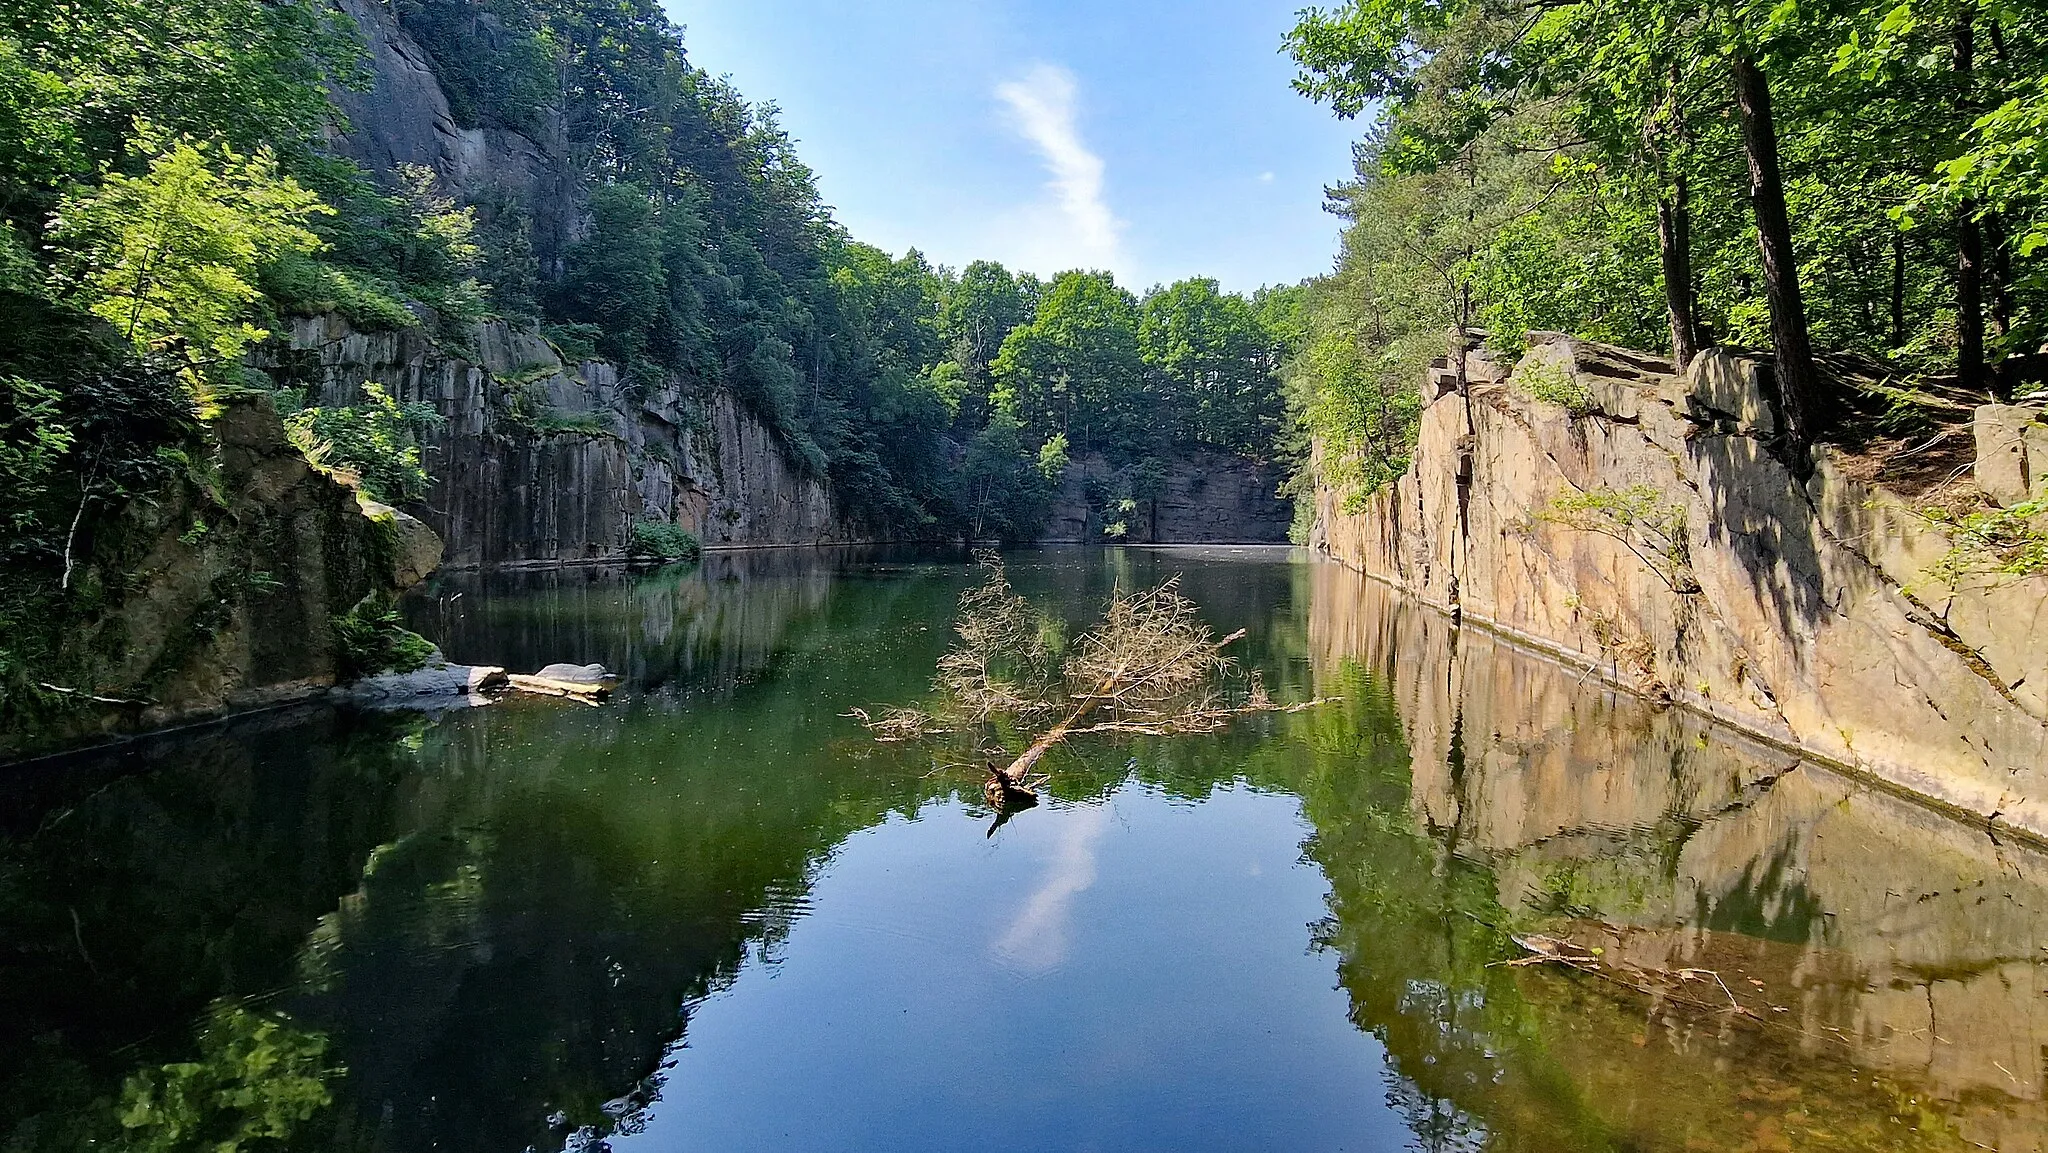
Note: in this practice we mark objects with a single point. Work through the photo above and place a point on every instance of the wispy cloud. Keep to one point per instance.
(1079, 230)
(1038, 939)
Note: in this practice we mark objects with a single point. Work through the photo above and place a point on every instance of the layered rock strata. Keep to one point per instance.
(543, 461)
(1637, 522)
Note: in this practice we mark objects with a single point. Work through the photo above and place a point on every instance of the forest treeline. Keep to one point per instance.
(1865, 176)
(171, 190)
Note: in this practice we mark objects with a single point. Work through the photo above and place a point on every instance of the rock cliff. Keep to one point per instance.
(546, 462)
(1865, 912)
(1204, 498)
(1636, 523)
(218, 594)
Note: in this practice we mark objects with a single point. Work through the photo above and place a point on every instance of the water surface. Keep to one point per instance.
(714, 914)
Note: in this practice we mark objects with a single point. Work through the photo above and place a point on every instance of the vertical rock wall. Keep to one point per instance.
(1697, 569)
(545, 462)
(1207, 498)
(218, 593)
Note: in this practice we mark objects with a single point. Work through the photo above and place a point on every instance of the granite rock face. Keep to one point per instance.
(2012, 452)
(1871, 908)
(402, 117)
(545, 462)
(219, 597)
(1206, 498)
(1657, 539)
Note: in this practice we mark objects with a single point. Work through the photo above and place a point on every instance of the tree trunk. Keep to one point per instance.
(1898, 290)
(1998, 274)
(1674, 244)
(1798, 383)
(1969, 239)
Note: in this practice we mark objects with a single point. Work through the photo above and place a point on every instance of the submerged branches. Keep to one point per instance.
(1149, 666)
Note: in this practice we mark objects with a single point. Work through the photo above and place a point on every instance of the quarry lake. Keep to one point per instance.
(1473, 900)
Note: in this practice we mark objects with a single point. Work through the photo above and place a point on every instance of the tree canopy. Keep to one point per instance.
(1855, 175)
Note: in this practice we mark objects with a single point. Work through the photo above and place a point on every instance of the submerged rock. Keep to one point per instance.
(440, 685)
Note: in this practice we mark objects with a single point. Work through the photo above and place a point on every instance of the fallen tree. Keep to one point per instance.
(1149, 666)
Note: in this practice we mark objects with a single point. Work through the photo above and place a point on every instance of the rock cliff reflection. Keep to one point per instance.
(714, 914)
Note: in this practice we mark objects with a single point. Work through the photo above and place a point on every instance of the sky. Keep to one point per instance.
(1158, 139)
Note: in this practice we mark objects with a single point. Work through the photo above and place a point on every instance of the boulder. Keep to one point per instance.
(1724, 390)
(576, 674)
(416, 550)
(439, 685)
(2012, 452)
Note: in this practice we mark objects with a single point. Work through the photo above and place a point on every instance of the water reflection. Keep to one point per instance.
(714, 914)
(1898, 954)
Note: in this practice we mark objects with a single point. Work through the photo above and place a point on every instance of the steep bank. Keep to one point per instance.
(221, 592)
(1203, 498)
(545, 461)
(1693, 846)
(1646, 530)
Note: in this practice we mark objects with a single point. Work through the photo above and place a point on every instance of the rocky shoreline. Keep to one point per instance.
(1641, 526)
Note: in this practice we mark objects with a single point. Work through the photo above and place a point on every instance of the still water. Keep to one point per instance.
(714, 914)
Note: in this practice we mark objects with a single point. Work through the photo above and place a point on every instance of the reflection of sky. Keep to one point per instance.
(1038, 939)
(1134, 974)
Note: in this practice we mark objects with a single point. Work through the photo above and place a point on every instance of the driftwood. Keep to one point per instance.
(587, 683)
(1149, 666)
(1667, 983)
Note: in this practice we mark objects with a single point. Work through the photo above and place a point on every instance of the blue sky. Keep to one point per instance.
(1155, 139)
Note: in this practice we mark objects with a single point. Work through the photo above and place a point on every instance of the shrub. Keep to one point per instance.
(660, 540)
(370, 639)
(377, 441)
(1998, 542)
(1553, 385)
(1640, 521)
(307, 287)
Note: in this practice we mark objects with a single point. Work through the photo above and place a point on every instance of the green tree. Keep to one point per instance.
(1076, 368)
(1003, 488)
(1215, 362)
(615, 276)
(170, 258)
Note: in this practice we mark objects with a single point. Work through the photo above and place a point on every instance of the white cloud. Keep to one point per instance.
(1265, 178)
(1038, 938)
(1077, 229)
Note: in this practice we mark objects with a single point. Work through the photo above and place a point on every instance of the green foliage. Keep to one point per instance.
(33, 439)
(1551, 384)
(1360, 404)
(660, 540)
(1535, 165)
(376, 441)
(369, 639)
(1997, 542)
(258, 1078)
(1000, 488)
(615, 280)
(170, 258)
(1641, 520)
(307, 287)
(1216, 361)
(1076, 367)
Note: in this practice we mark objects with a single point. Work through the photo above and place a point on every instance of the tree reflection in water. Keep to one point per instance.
(490, 931)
